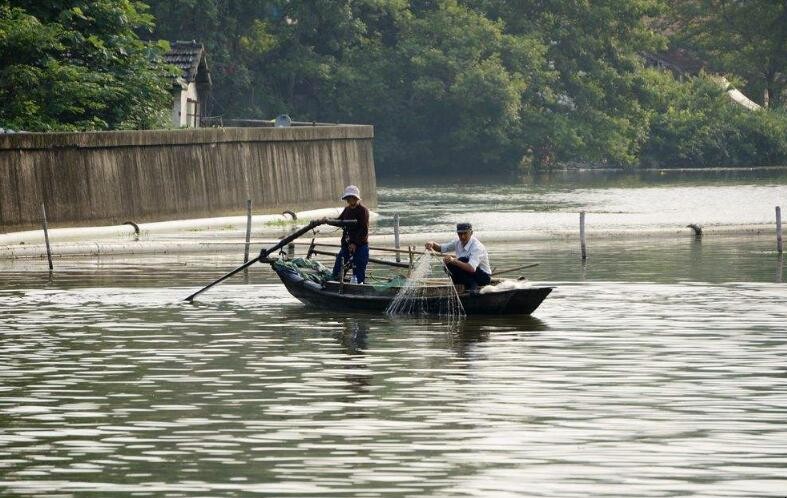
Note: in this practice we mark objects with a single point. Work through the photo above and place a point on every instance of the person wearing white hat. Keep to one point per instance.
(355, 239)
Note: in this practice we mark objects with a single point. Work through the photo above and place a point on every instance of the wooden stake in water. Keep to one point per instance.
(779, 245)
(46, 237)
(248, 239)
(582, 244)
(248, 231)
(396, 236)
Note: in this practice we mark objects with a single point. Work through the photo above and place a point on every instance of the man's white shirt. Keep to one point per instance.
(474, 251)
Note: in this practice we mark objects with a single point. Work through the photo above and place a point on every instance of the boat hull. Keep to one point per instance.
(365, 298)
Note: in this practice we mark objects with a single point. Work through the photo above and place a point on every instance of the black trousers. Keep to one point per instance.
(469, 280)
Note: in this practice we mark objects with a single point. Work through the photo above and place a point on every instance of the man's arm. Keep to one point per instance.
(340, 217)
(452, 261)
(432, 246)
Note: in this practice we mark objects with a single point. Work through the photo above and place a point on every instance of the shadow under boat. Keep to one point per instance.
(342, 296)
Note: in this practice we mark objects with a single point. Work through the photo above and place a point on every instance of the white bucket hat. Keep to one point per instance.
(353, 191)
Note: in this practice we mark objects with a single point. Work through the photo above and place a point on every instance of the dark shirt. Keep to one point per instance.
(358, 234)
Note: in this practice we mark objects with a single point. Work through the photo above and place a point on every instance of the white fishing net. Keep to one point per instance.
(427, 291)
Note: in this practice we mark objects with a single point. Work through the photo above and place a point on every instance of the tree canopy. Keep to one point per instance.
(79, 65)
(450, 85)
(745, 39)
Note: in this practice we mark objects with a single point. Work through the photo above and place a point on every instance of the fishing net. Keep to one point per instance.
(310, 269)
(395, 282)
(427, 291)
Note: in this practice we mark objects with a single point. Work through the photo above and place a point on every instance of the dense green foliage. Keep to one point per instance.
(697, 124)
(79, 65)
(450, 85)
(747, 39)
(474, 85)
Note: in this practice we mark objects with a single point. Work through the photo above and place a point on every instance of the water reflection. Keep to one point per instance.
(664, 365)
(353, 336)
(617, 178)
(648, 177)
(614, 200)
(354, 368)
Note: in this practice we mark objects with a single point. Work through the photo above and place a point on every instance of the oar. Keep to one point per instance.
(514, 269)
(265, 252)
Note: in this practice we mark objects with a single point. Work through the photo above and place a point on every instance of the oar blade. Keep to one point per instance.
(218, 281)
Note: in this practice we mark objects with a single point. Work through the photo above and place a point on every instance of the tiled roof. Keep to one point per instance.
(188, 56)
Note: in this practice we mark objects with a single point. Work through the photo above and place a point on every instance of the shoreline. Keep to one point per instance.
(221, 243)
(587, 168)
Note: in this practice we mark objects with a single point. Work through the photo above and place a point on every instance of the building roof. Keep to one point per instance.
(677, 60)
(191, 58)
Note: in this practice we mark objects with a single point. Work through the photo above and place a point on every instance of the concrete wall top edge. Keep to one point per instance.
(102, 139)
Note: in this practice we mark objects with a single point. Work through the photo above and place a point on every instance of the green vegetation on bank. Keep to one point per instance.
(79, 65)
(450, 85)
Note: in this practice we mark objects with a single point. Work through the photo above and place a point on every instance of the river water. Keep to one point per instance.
(654, 369)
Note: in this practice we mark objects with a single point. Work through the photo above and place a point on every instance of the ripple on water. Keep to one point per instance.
(615, 388)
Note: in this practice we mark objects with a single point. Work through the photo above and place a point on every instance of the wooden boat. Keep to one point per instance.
(318, 290)
(346, 296)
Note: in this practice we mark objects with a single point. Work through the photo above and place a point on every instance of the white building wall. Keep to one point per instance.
(176, 107)
(183, 110)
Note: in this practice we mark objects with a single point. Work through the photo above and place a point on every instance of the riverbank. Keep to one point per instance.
(625, 207)
(224, 235)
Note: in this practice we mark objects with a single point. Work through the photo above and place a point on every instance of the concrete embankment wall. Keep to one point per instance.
(112, 177)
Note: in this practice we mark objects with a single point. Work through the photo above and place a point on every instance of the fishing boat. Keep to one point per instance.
(310, 283)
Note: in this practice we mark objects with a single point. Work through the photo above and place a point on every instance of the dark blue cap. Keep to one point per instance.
(463, 227)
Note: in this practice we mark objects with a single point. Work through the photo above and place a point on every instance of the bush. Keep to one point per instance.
(696, 124)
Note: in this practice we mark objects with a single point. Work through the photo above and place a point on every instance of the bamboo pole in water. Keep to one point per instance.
(582, 244)
(396, 236)
(46, 237)
(248, 238)
(248, 231)
(779, 243)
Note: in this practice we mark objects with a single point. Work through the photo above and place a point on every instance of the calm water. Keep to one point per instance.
(656, 369)
(613, 200)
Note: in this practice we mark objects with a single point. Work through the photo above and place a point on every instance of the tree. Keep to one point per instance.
(447, 89)
(743, 38)
(588, 109)
(78, 65)
(464, 85)
(695, 123)
(220, 26)
(267, 57)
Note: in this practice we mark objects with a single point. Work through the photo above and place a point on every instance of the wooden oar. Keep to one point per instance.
(266, 252)
(514, 269)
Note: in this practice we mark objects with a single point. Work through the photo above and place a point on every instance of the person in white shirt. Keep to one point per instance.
(470, 267)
